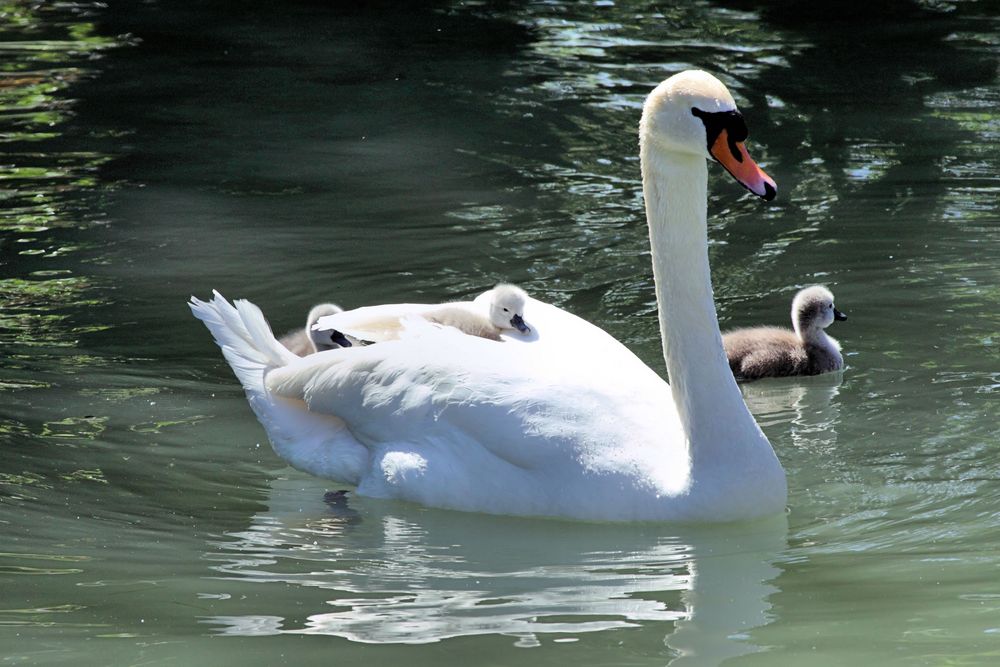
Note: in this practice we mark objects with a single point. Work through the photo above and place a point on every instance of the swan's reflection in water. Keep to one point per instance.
(395, 573)
(805, 406)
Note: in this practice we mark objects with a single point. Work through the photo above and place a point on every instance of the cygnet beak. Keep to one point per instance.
(518, 323)
(839, 316)
(340, 339)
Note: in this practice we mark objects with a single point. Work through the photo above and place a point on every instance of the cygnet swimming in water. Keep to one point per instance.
(375, 324)
(305, 341)
(761, 352)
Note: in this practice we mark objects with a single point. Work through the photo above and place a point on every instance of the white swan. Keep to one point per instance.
(568, 424)
(500, 313)
(760, 352)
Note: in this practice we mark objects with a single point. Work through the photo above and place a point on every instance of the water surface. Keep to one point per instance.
(305, 152)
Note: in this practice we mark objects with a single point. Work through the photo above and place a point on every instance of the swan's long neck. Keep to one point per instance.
(719, 428)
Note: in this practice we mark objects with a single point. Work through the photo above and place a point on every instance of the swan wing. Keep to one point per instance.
(568, 424)
(460, 421)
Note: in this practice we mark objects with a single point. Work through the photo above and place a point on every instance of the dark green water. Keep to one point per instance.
(308, 152)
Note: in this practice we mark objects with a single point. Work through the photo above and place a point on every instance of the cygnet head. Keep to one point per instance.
(507, 307)
(693, 113)
(325, 339)
(813, 310)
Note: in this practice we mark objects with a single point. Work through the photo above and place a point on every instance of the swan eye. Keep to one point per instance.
(506, 310)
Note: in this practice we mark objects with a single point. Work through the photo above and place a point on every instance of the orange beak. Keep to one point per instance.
(734, 157)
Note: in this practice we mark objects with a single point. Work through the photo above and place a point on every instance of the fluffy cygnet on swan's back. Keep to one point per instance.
(304, 341)
(376, 324)
(761, 352)
(506, 314)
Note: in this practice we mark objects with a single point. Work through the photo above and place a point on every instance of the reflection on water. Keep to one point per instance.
(50, 192)
(47, 52)
(393, 574)
(806, 408)
(48, 185)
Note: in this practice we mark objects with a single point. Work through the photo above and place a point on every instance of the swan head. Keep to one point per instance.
(693, 113)
(813, 310)
(507, 307)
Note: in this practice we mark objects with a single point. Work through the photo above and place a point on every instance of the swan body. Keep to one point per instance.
(500, 311)
(761, 352)
(567, 422)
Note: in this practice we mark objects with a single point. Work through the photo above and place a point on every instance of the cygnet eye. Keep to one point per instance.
(505, 310)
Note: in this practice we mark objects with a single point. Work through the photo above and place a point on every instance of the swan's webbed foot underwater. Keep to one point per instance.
(339, 509)
(335, 497)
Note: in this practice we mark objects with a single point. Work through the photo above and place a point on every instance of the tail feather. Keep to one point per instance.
(317, 443)
(261, 335)
(244, 336)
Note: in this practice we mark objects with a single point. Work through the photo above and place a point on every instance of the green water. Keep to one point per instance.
(309, 152)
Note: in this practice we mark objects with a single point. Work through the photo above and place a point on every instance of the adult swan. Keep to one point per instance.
(568, 423)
